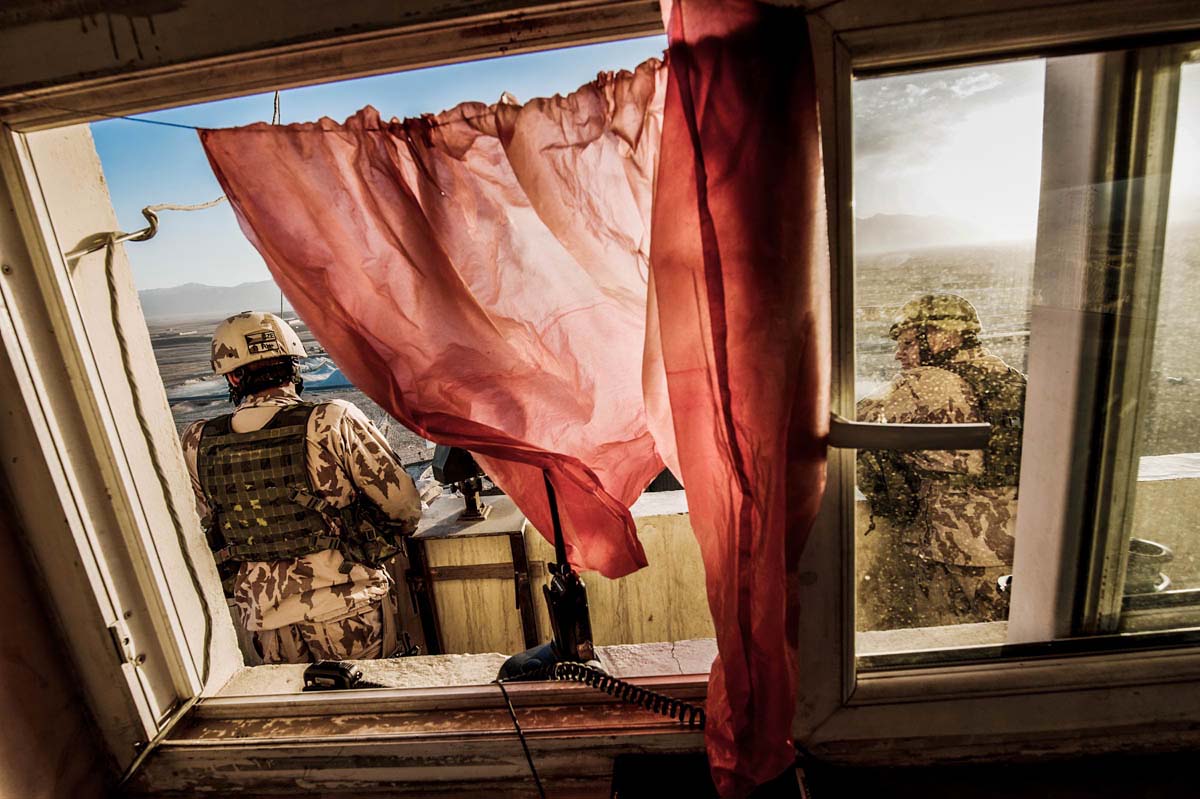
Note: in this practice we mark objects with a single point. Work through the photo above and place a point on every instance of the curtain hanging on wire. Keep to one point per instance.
(481, 274)
(740, 270)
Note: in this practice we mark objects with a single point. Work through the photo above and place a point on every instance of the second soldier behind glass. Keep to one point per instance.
(953, 510)
(303, 503)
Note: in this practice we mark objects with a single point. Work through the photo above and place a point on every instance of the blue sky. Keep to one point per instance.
(151, 164)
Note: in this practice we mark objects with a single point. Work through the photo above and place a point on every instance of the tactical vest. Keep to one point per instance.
(1001, 398)
(893, 488)
(259, 492)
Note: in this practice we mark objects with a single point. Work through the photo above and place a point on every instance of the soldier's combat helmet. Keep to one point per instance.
(252, 336)
(943, 311)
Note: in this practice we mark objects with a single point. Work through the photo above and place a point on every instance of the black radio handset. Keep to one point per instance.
(570, 655)
(566, 597)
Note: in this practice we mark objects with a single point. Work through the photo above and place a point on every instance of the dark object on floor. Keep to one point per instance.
(335, 675)
(331, 675)
(534, 660)
(657, 776)
(665, 482)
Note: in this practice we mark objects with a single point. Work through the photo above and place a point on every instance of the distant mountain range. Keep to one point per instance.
(197, 301)
(883, 233)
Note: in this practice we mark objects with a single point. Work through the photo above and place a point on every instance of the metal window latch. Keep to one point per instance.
(846, 434)
(123, 644)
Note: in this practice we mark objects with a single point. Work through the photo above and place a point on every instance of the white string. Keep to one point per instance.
(155, 460)
(178, 207)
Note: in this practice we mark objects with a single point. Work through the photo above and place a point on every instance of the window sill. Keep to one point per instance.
(681, 659)
(1054, 667)
(417, 741)
(916, 644)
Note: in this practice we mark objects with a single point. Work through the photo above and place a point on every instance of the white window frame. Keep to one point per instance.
(1073, 693)
(125, 603)
(89, 466)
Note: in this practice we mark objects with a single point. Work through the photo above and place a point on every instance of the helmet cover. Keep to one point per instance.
(252, 336)
(939, 311)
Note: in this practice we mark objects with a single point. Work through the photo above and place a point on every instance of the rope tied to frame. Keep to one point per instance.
(151, 230)
(109, 244)
(155, 459)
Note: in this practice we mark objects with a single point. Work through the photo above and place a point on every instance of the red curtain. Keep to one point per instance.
(481, 274)
(740, 267)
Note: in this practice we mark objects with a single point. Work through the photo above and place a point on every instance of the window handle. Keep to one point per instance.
(867, 435)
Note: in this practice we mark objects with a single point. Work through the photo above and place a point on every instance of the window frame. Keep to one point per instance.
(56, 326)
(121, 592)
(988, 707)
(1072, 704)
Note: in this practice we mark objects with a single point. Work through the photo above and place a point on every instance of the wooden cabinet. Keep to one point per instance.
(474, 579)
(666, 601)
(484, 580)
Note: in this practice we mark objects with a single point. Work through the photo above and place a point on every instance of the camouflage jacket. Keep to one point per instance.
(955, 523)
(346, 454)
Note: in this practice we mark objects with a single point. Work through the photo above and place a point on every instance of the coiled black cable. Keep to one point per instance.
(686, 713)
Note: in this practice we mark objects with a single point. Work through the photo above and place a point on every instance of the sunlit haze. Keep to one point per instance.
(964, 144)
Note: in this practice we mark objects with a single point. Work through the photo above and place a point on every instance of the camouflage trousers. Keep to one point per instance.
(950, 594)
(902, 590)
(358, 637)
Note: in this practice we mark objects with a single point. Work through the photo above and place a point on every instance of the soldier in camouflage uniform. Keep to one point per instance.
(955, 510)
(302, 503)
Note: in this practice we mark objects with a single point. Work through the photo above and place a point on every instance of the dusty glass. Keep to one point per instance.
(946, 170)
(1162, 570)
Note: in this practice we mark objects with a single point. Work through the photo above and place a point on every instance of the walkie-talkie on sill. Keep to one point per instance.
(566, 600)
(571, 655)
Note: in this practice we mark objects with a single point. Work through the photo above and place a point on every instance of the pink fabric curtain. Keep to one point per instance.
(481, 274)
(740, 268)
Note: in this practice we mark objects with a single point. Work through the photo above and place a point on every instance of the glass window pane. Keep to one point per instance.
(947, 171)
(1162, 575)
(979, 258)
